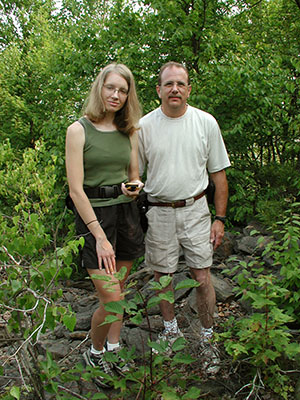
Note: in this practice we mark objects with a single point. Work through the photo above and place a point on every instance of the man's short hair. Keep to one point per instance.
(172, 64)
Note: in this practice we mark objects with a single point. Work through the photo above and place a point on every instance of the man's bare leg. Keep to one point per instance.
(166, 308)
(206, 300)
(205, 295)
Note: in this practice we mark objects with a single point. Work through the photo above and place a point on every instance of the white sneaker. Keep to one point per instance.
(99, 362)
(120, 365)
(169, 337)
(210, 356)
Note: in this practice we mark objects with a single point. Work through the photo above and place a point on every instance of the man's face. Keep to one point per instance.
(174, 91)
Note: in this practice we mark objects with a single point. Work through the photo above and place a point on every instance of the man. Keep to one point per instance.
(178, 145)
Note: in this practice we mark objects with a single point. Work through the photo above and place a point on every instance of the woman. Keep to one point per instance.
(101, 155)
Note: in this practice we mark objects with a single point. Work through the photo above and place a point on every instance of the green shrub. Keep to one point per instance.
(284, 250)
(32, 262)
(262, 340)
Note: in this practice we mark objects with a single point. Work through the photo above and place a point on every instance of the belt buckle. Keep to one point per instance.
(109, 191)
(189, 202)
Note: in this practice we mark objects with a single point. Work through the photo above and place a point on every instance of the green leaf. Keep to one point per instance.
(114, 306)
(292, 350)
(236, 348)
(137, 319)
(153, 301)
(109, 319)
(155, 285)
(170, 394)
(16, 285)
(186, 284)
(168, 296)
(15, 392)
(120, 275)
(110, 356)
(180, 358)
(99, 396)
(165, 281)
(270, 355)
(104, 278)
(160, 347)
(193, 393)
(69, 321)
(68, 271)
(179, 344)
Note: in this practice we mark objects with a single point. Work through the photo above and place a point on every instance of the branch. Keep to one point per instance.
(38, 297)
(253, 385)
(255, 4)
(75, 348)
(21, 373)
(249, 6)
(10, 256)
(55, 249)
(71, 392)
(37, 330)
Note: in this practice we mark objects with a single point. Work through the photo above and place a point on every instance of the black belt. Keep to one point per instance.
(103, 192)
(179, 203)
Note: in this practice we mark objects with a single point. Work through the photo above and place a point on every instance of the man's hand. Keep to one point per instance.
(216, 233)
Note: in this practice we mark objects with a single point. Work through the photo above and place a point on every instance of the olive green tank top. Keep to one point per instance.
(106, 158)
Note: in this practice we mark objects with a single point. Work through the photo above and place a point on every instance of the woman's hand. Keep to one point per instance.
(106, 256)
(129, 192)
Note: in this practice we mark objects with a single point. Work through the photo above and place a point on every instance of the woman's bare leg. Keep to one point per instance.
(115, 328)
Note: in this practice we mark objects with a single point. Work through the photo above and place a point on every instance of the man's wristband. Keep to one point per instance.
(222, 219)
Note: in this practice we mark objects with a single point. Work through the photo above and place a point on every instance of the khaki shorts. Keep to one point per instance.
(171, 229)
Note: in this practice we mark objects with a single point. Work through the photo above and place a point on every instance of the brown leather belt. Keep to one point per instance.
(179, 203)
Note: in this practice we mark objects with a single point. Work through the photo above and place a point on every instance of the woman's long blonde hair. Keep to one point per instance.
(125, 119)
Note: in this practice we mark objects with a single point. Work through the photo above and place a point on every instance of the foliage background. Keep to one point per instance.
(244, 63)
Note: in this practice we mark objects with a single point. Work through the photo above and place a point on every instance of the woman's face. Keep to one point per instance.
(114, 92)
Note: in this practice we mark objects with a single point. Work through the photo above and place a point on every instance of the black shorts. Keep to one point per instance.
(121, 224)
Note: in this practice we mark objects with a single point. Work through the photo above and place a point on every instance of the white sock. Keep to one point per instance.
(112, 346)
(171, 326)
(97, 352)
(207, 333)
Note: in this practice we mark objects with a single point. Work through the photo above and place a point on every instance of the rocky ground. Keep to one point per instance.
(67, 347)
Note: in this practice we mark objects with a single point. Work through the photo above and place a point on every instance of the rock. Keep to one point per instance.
(155, 323)
(61, 332)
(223, 288)
(78, 335)
(225, 249)
(83, 319)
(247, 244)
(136, 337)
(58, 349)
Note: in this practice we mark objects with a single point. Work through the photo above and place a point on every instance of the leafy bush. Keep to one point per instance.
(154, 377)
(285, 252)
(31, 261)
(263, 340)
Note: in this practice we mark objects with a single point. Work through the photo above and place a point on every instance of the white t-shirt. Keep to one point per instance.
(177, 153)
